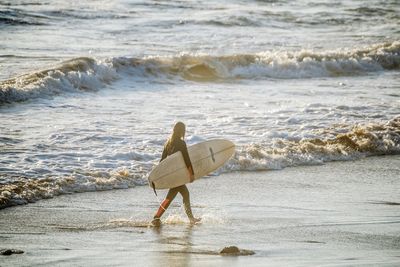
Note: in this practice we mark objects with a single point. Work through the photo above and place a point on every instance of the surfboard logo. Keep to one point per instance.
(212, 155)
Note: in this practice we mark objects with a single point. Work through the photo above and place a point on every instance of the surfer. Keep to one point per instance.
(174, 144)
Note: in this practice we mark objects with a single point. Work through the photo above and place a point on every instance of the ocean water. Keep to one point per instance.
(90, 90)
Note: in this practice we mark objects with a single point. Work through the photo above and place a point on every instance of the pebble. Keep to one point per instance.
(235, 251)
(8, 252)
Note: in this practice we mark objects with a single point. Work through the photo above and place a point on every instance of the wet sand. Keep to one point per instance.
(341, 213)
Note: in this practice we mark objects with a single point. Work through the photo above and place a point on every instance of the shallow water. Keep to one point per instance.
(90, 89)
(342, 213)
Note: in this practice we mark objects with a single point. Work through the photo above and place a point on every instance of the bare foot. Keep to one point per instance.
(156, 222)
(195, 220)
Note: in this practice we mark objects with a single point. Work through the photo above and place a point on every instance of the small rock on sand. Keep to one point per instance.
(8, 252)
(235, 251)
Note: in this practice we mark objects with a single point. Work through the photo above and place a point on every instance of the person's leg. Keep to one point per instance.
(167, 201)
(186, 202)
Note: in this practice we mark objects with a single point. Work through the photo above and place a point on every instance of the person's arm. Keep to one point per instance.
(187, 161)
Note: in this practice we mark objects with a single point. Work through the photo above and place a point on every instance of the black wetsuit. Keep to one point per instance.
(177, 145)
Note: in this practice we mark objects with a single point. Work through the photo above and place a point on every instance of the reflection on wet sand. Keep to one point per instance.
(176, 243)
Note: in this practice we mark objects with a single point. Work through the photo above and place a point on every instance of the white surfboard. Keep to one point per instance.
(206, 157)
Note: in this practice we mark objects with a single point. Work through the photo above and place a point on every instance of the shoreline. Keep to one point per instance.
(308, 215)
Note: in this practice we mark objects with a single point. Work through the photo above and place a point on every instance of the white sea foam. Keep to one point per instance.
(82, 74)
(175, 219)
(360, 141)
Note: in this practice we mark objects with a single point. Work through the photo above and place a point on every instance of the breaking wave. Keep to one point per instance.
(359, 141)
(82, 74)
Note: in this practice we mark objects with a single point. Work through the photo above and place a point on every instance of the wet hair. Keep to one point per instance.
(177, 133)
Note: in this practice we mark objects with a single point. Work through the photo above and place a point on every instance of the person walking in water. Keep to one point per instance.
(174, 144)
